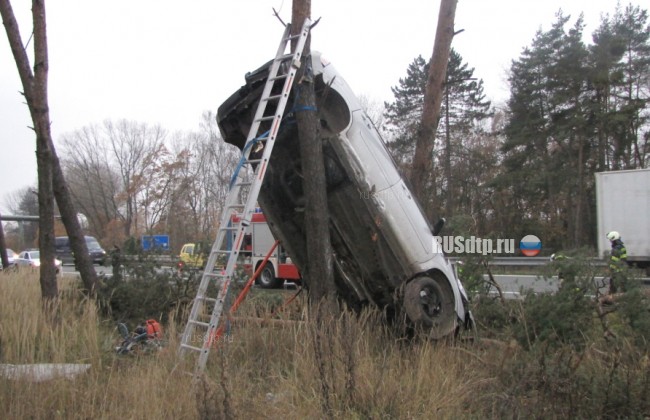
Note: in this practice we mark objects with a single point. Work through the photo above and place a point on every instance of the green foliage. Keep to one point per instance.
(602, 381)
(493, 317)
(461, 148)
(634, 309)
(564, 318)
(574, 110)
(146, 290)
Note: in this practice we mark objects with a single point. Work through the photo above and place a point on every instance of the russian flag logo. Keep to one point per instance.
(530, 245)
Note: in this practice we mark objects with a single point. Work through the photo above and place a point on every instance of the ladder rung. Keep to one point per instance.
(213, 274)
(289, 38)
(273, 97)
(260, 139)
(278, 77)
(286, 56)
(269, 118)
(187, 346)
(207, 299)
(202, 324)
(253, 160)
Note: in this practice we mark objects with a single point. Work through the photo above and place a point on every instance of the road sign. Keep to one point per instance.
(155, 242)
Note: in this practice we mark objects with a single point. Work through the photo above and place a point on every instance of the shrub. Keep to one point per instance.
(145, 290)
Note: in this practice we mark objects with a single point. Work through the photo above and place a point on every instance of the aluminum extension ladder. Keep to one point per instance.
(200, 333)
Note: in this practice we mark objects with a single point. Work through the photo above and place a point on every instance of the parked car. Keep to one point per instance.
(64, 252)
(11, 257)
(385, 252)
(32, 258)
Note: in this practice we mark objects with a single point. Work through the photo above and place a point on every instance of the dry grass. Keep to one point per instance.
(350, 367)
(115, 387)
(259, 370)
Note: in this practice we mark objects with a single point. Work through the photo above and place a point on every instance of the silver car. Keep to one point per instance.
(32, 258)
(385, 253)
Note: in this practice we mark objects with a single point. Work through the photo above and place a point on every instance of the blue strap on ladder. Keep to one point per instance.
(243, 156)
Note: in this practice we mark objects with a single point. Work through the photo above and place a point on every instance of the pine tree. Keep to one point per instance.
(555, 134)
(632, 134)
(464, 107)
(403, 115)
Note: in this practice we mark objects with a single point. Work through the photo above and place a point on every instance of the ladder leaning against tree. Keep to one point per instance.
(242, 198)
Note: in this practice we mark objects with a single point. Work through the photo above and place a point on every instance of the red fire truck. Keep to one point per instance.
(256, 245)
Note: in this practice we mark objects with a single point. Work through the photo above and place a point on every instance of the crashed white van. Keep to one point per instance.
(385, 253)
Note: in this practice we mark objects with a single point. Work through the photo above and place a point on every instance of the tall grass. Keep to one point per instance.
(349, 366)
(114, 387)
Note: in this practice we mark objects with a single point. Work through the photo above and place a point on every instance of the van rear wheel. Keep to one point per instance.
(267, 279)
(429, 304)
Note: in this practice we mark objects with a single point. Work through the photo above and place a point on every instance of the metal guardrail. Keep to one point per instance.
(495, 261)
(522, 261)
(21, 218)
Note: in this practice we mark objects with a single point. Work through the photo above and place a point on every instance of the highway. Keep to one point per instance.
(513, 285)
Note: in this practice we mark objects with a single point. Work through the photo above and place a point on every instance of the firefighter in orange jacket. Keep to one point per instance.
(617, 263)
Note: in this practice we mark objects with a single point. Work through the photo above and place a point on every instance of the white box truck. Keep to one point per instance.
(623, 205)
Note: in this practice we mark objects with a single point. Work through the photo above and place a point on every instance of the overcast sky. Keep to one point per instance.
(166, 62)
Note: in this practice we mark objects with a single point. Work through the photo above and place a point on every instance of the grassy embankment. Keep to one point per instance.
(351, 367)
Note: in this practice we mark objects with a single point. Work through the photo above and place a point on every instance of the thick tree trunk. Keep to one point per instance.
(423, 159)
(49, 287)
(49, 170)
(3, 247)
(78, 245)
(320, 277)
(35, 91)
(450, 190)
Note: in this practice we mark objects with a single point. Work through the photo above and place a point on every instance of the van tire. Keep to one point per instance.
(429, 304)
(266, 279)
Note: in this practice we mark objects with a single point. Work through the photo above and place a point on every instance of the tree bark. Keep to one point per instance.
(450, 190)
(320, 278)
(49, 169)
(4, 261)
(69, 218)
(423, 159)
(35, 91)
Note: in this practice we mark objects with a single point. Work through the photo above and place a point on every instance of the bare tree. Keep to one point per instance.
(205, 165)
(320, 275)
(93, 183)
(51, 182)
(423, 158)
(24, 202)
(374, 109)
(135, 148)
(130, 178)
